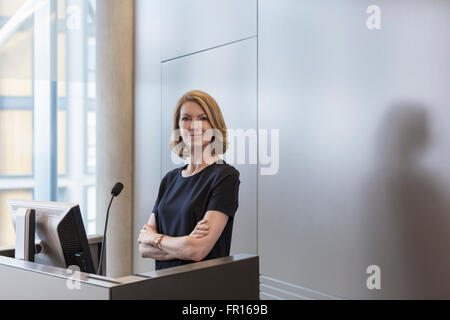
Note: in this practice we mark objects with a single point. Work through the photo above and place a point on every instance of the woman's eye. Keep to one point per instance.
(186, 119)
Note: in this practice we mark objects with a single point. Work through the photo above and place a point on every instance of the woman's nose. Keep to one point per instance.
(196, 125)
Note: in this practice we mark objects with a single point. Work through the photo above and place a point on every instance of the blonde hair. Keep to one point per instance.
(215, 118)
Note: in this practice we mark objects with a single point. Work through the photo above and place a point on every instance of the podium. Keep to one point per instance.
(229, 278)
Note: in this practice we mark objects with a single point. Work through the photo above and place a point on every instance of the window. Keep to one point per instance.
(47, 105)
(7, 232)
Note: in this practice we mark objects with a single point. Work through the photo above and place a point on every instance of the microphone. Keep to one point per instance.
(116, 190)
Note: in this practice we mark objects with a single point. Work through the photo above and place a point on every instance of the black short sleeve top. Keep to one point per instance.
(183, 201)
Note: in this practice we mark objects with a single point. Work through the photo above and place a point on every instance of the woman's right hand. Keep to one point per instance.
(201, 229)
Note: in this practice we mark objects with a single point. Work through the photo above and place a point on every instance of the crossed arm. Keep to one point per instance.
(195, 246)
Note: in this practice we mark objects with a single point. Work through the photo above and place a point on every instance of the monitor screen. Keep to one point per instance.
(61, 233)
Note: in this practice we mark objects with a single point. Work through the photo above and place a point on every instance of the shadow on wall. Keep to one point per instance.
(408, 215)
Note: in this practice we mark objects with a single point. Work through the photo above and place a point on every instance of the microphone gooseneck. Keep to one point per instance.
(116, 190)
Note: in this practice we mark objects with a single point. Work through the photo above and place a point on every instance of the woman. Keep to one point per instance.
(192, 219)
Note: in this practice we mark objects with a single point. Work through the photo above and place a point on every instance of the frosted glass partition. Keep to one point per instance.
(190, 26)
(227, 73)
(364, 124)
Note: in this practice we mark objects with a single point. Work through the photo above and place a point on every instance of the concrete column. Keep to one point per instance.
(115, 114)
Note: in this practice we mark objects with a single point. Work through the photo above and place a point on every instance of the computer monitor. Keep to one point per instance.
(60, 232)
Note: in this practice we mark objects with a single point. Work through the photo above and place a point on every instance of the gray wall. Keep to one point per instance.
(176, 53)
(363, 117)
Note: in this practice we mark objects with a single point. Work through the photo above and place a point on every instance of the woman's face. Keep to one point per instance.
(195, 122)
